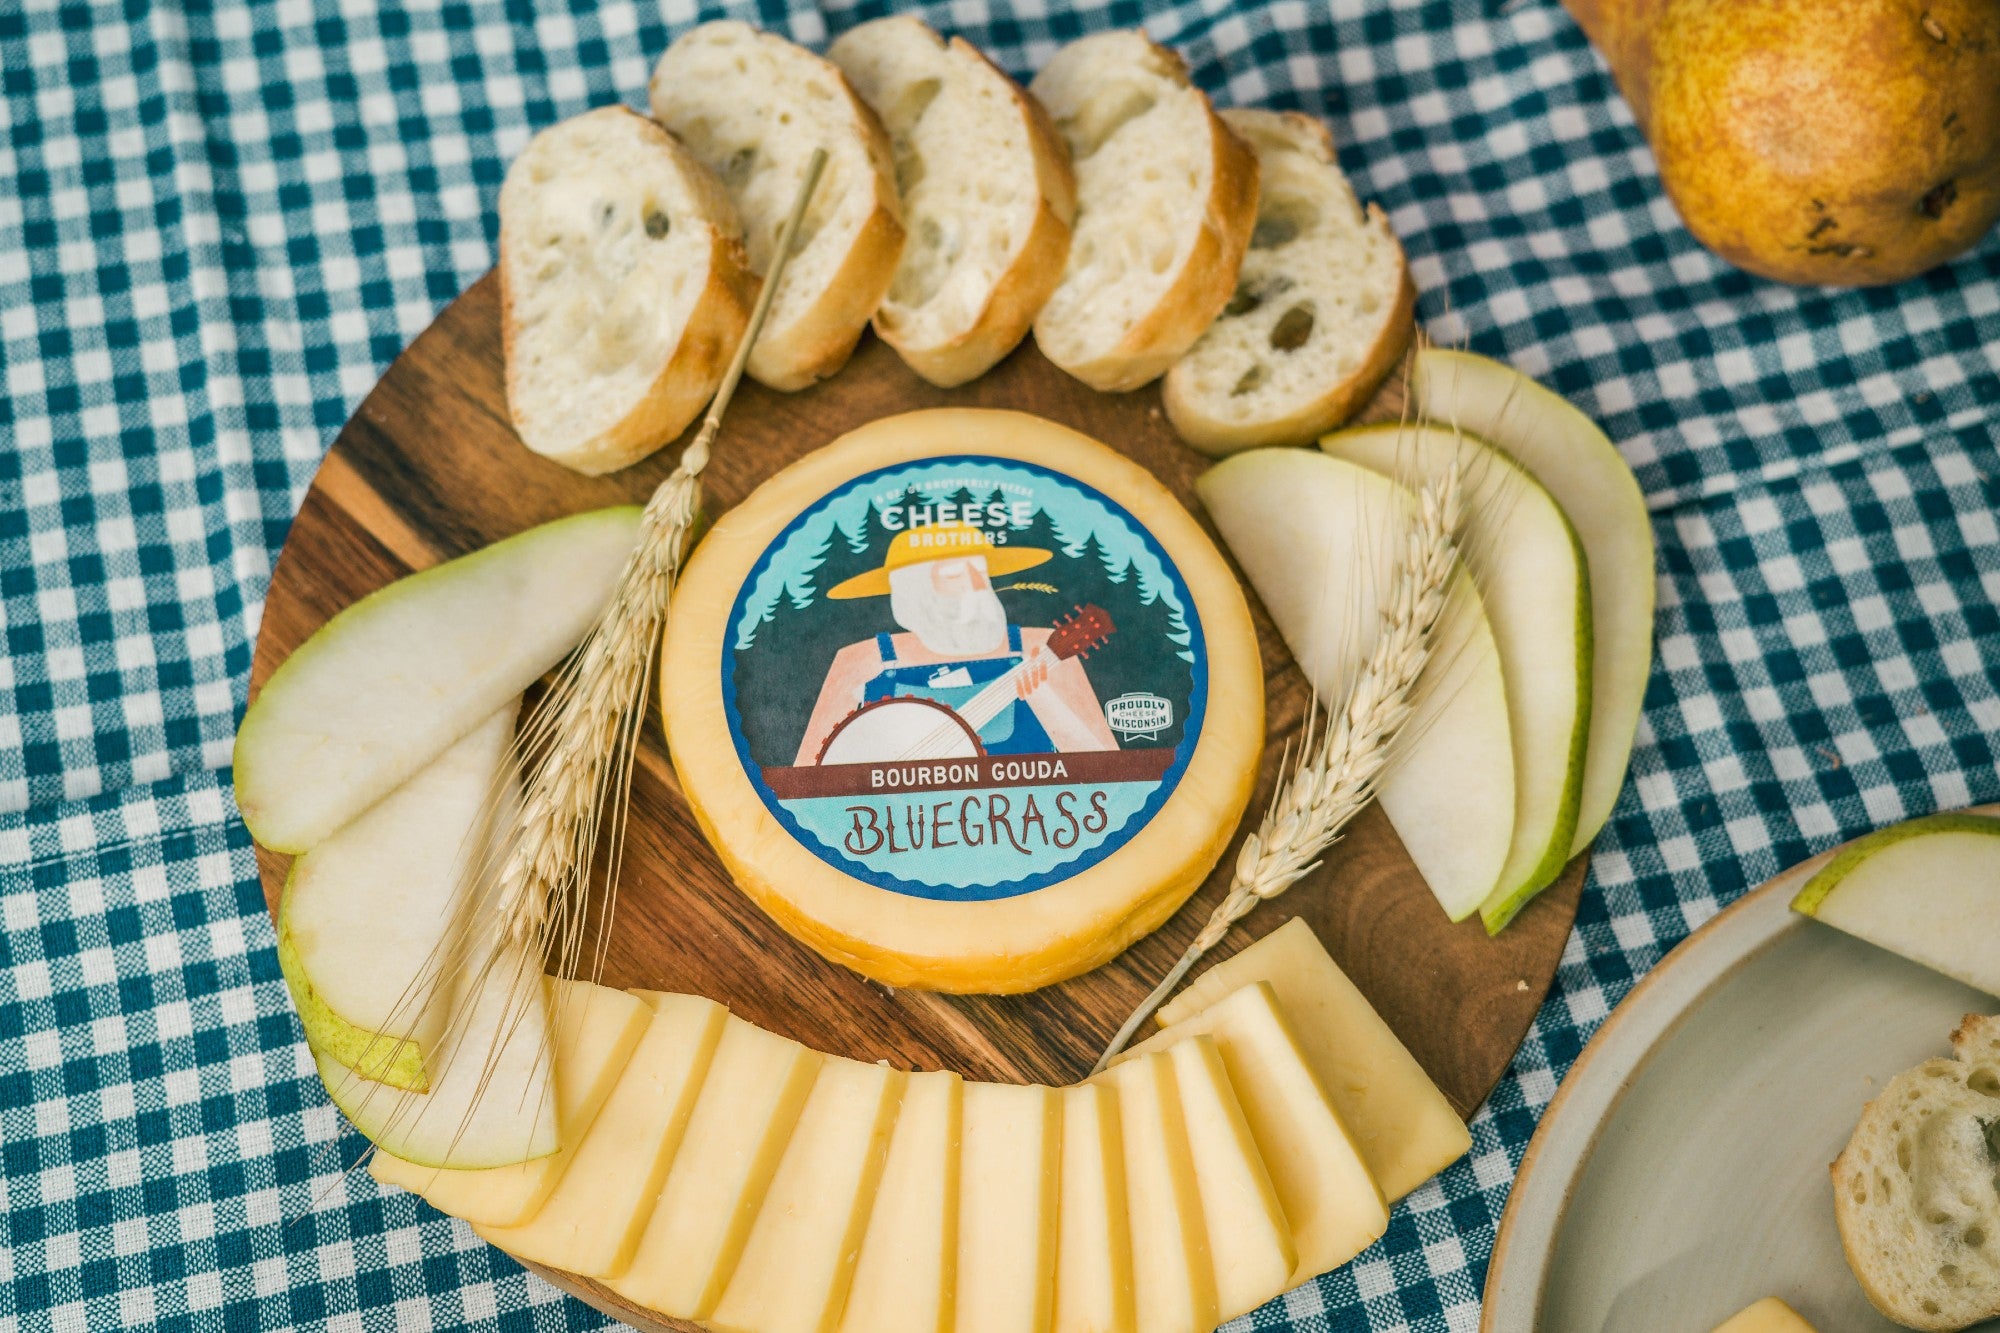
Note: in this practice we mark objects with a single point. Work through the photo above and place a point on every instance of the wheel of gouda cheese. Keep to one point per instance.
(965, 700)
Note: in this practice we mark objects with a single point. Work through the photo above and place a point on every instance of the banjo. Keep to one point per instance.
(898, 729)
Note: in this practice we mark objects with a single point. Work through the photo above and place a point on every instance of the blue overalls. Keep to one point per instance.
(1014, 730)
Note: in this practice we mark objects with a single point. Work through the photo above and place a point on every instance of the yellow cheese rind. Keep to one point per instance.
(756, 1086)
(1406, 1130)
(595, 1031)
(1010, 944)
(1173, 1281)
(1769, 1315)
(1249, 1242)
(1094, 1237)
(796, 1265)
(1331, 1202)
(592, 1222)
(1008, 1188)
(906, 1272)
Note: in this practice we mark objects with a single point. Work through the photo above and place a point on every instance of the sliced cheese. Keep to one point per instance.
(756, 1086)
(906, 1272)
(1406, 1130)
(1331, 1202)
(596, 1029)
(1172, 1280)
(592, 1221)
(1769, 1315)
(948, 876)
(1094, 1239)
(799, 1259)
(1008, 1188)
(1249, 1243)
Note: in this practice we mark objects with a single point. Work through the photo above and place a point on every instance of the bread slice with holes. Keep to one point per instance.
(1166, 199)
(624, 289)
(1917, 1190)
(1323, 307)
(987, 196)
(753, 106)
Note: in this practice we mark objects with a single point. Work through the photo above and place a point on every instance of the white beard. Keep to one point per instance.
(961, 624)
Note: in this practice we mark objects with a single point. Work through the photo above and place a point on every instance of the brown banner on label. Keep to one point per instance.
(1080, 768)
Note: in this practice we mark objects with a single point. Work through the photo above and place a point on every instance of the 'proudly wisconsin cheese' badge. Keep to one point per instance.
(965, 700)
(964, 677)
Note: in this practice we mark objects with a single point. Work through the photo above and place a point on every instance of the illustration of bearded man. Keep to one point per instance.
(956, 651)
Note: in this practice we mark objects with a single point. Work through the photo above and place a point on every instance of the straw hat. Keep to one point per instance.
(940, 541)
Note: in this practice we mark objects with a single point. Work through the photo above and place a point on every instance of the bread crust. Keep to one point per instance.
(1021, 292)
(1205, 281)
(1309, 420)
(817, 343)
(690, 376)
(1976, 1040)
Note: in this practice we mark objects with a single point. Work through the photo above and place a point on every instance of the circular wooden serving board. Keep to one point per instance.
(429, 469)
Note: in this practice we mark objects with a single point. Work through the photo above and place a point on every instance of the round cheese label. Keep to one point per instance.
(964, 677)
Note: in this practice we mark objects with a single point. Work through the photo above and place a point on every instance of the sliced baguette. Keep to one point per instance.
(623, 285)
(987, 196)
(1917, 1190)
(1166, 200)
(1322, 311)
(753, 106)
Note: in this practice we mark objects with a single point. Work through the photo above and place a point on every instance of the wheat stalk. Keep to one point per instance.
(1342, 752)
(575, 750)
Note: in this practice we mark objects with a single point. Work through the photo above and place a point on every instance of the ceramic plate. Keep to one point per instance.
(1681, 1172)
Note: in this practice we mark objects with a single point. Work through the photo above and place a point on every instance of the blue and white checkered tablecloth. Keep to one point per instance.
(220, 219)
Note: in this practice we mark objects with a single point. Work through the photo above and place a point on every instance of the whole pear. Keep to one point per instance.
(1837, 142)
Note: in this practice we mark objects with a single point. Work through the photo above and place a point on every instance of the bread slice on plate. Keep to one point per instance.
(753, 106)
(1166, 200)
(987, 196)
(624, 289)
(1917, 1189)
(1323, 307)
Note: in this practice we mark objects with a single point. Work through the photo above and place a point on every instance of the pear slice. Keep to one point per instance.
(382, 688)
(1317, 539)
(1928, 889)
(492, 1096)
(1535, 585)
(366, 916)
(1565, 451)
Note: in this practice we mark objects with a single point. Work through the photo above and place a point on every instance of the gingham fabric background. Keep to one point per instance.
(217, 226)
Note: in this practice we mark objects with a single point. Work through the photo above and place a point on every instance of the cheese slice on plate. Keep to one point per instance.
(1331, 1202)
(1769, 1315)
(1172, 1279)
(1406, 1130)
(596, 1029)
(1094, 1239)
(796, 1266)
(906, 1272)
(1249, 1243)
(756, 1086)
(965, 700)
(1008, 1189)
(591, 1223)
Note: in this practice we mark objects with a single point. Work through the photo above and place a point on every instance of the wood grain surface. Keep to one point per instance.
(429, 468)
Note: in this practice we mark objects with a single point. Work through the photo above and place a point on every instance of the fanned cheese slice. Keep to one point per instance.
(796, 1266)
(1094, 1243)
(1009, 1185)
(596, 1029)
(1406, 1130)
(1331, 1202)
(756, 1086)
(1249, 1242)
(906, 1272)
(592, 1222)
(1173, 1282)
